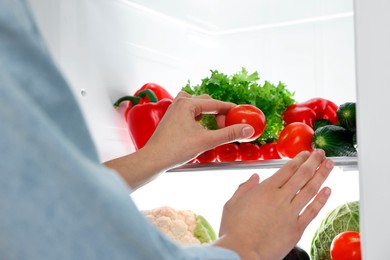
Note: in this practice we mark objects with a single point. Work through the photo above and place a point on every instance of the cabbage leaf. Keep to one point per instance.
(343, 218)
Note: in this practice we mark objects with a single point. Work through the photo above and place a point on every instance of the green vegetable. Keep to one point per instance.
(334, 140)
(203, 230)
(343, 218)
(183, 226)
(244, 88)
(321, 122)
(346, 113)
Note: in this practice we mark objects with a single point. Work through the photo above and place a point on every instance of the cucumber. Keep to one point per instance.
(321, 122)
(335, 140)
(346, 113)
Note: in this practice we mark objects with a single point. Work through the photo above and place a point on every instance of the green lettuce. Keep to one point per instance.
(245, 88)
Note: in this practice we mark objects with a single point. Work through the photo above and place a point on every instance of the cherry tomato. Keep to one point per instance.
(227, 152)
(193, 161)
(346, 246)
(249, 151)
(207, 156)
(247, 114)
(294, 138)
(269, 151)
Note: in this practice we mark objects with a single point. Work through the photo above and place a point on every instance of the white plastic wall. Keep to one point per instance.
(110, 48)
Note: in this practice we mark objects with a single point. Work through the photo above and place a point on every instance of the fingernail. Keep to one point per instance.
(247, 132)
(329, 164)
(320, 151)
(327, 191)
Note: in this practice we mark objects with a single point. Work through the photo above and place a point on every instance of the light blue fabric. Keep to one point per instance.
(56, 200)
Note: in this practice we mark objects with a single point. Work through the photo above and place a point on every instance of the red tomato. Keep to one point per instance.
(294, 138)
(346, 246)
(193, 161)
(227, 152)
(249, 151)
(247, 114)
(207, 156)
(269, 151)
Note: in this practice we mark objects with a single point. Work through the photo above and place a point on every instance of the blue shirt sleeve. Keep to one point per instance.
(56, 200)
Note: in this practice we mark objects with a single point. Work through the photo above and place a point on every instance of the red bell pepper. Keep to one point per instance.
(158, 90)
(301, 114)
(330, 112)
(143, 118)
(317, 104)
(311, 110)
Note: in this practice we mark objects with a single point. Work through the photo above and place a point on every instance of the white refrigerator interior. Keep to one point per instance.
(110, 48)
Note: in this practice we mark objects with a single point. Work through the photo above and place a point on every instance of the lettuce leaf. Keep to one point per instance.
(245, 88)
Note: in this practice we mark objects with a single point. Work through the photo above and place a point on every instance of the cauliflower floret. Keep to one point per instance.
(181, 225)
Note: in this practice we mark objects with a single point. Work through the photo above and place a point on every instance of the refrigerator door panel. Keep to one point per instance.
(373, 66)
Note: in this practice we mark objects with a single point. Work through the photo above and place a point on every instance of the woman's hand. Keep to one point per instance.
(179, 138)
(265, 220)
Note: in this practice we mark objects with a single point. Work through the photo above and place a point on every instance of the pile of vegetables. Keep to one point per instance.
(339, 139)
(337, 230)
(319, 123)
(183, 226)
(283, 127)
(290, 127)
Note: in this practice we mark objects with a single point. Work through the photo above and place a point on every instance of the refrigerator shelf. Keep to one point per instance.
(345, 163)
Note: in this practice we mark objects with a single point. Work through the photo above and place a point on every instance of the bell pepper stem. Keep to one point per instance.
(135, 99)
(132, 99)
(148, 93)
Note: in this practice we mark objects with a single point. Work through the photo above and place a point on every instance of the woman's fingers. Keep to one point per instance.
(204, 104)
(312, 210)
(281, 177)
(182, 94)
(304, 173)
(246, 186)
(312, 187)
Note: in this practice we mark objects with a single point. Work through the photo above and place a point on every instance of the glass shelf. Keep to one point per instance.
(345, 163)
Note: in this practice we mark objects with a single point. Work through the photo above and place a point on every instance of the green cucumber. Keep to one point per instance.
(335, 140)
(321, 122)
(346, 113)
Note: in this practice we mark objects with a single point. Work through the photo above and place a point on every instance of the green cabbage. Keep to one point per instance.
(343, 218)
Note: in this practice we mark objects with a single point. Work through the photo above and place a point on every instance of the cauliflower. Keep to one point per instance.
(183, 226)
